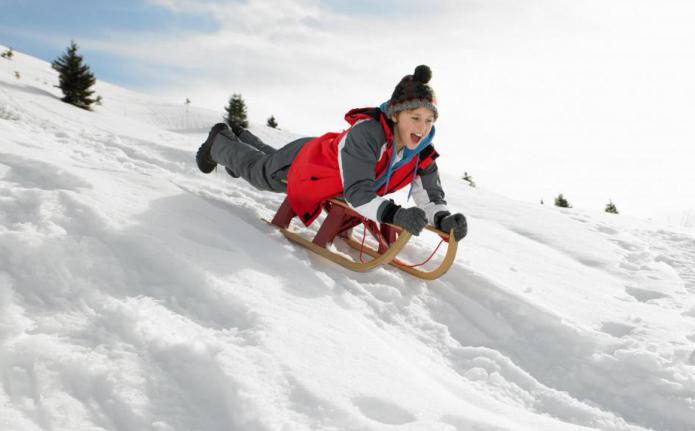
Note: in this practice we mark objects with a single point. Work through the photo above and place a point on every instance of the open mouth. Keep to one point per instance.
(415, 138)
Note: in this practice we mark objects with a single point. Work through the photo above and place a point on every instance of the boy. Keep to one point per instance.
(383, 150)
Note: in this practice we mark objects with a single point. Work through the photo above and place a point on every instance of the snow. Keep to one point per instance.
(137, 293)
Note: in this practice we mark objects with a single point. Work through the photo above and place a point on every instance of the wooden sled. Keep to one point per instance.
(339, 222)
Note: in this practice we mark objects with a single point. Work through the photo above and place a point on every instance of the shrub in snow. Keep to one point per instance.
(75, 78)
(561, 202)
(236, 114)
(610, 208)
(7, 54)
(272, 122)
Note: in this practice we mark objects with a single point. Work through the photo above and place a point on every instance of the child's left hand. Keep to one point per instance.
(457, 222)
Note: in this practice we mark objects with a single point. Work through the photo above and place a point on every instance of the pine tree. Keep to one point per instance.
(75, 78)
(236, 114)
(611, 208)
(7, 54)
(561, 202)
(468, 178)
(272, 122)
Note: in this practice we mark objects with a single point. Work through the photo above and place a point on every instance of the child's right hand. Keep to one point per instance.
(412, 219)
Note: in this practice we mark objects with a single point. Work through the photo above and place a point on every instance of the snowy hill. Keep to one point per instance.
(139, 294)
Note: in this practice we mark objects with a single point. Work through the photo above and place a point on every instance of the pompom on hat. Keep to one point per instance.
(413, 92)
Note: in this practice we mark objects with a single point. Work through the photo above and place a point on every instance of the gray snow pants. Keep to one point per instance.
(263, 166)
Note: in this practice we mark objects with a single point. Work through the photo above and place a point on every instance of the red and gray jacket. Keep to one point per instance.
(354, 164)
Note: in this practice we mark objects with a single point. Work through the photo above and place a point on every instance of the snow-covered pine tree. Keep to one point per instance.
(7, 54)
(236, 114)
(611, 208)
(272, 122)
(561, 202)
(75, 78)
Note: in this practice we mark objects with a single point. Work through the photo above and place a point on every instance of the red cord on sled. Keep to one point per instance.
(364, 236)
(399, 263)
(396, 261)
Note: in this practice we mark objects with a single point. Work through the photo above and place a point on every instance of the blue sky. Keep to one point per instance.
(152, 45)
(592, 99)
(44, 29)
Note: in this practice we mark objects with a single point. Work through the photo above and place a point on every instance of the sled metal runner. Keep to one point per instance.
(339, 222)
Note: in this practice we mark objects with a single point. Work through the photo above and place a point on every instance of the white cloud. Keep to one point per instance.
(535, 96)
(295, 55)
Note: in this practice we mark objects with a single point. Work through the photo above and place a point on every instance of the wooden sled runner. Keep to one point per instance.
(339, 222)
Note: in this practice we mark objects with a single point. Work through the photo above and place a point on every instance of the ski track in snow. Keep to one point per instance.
(137, 293)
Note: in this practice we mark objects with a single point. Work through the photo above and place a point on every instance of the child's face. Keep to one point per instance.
(412, 126)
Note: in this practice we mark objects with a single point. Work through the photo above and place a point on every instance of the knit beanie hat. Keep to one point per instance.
(413, 92)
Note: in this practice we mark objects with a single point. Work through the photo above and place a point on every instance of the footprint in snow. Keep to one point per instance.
(629, 246)
(638, 257)
(617, 329)
(607, 230)
(383, 411)
(644, 295)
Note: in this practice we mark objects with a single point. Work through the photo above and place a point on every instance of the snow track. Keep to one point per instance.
(137, 293)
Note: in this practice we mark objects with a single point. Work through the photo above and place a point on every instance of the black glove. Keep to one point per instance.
(445, 221)
(411, 219)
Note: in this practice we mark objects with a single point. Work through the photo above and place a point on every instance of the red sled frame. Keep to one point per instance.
(339, 222)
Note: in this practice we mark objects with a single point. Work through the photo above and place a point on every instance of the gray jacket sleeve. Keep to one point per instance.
(428, 193)
(358, 153)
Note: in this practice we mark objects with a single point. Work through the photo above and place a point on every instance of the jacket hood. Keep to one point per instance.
(372, 113)
(357, 114)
